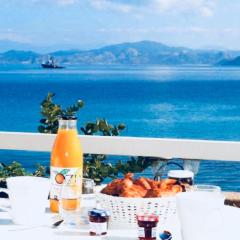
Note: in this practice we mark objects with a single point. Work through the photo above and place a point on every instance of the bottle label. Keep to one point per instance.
(60, 176)
(98, 228)
(141, 232)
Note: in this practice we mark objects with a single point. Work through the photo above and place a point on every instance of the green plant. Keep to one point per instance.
(51, 112)
(96, 166)
(102, 126)
(134, 165)
(16, 169)
(41, 171)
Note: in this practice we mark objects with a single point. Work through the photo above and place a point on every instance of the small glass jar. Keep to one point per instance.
(88, 200)
(182, 176)
(147, 226)
(98, 220)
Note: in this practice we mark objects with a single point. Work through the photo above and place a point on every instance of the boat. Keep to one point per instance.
(51, 63)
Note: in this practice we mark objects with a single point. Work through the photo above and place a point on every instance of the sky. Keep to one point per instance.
(87, 24)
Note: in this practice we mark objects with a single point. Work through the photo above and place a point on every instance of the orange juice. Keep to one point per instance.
(70, 204)
(66, 160)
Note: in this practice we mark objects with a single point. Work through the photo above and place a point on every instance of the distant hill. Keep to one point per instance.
(65, 53)
(144, 52)
(230, 62)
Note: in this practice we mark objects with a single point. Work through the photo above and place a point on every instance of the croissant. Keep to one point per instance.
(152, 193)
(142, 187)
(143, 182)
(131, 192)
(126, 183)
(113, 188)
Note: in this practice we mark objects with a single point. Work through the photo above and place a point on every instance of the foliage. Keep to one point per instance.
(51, 112)
(102, 126)
(134, 165)
(41, 171)
(95, 165)
(16, 169)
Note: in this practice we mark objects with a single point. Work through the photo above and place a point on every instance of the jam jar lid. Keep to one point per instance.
(147, 217)
(98, 213)
(180, 174)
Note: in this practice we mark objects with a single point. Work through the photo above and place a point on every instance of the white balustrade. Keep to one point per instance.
(129, 146)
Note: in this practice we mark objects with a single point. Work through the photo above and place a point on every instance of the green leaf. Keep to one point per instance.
(121, 126)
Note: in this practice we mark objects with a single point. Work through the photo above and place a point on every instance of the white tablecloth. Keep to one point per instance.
(9, 231)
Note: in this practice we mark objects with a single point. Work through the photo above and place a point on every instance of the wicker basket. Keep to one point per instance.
(124, 210)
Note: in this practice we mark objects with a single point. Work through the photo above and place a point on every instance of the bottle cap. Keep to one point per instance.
(68, 117)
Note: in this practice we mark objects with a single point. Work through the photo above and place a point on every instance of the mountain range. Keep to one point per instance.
(230, 62)
(144, 52)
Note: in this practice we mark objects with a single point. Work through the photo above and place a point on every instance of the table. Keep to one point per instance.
(9, 231)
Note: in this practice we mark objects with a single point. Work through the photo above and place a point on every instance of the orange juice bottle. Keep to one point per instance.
(66, 160)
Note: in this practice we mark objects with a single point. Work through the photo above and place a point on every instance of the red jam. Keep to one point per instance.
(147, 227)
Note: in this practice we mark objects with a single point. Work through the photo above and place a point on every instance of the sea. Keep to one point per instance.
(189, 102)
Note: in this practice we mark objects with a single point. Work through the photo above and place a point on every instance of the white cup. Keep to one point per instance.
(28, 197)
(200, 215)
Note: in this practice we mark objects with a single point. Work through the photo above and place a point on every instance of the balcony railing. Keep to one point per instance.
(134, 146)
(129, 146)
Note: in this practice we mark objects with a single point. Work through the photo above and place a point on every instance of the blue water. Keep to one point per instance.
(186, 102)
